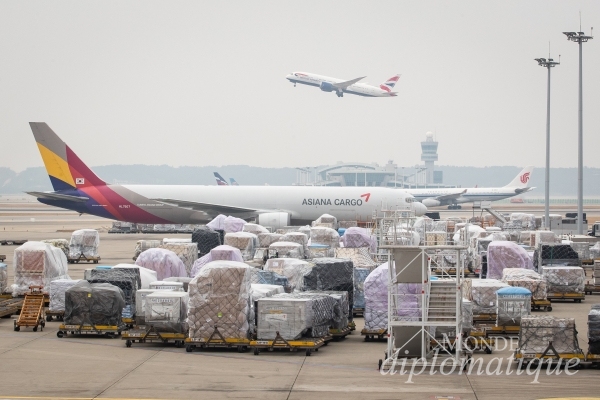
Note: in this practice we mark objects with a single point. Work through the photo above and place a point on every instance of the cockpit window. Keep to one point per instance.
(410, 200)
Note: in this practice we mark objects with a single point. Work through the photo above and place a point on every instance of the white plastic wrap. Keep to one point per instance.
(218, 223)
(147, 276)
(140, 305)
(220, 295)
(254, 228)
(187, 252)
(538, 332)
(244, 241)
(528, 279)
(62, 244)
(503, 254)
(163, 261)
(294, 270)
(562, 279)
(166, 311)
(37, 264)
(359, 237)
(482, 292)
(224, 252)
(233, 224)
(286, 250)
(3, 278)
(260, 290)
(376, 298)
(360, 257)
(58, 287)
(84, 242)
(167, 285)
(325, 236)
(296, 237)
(326, 220)
(265, 239)
(143, 245)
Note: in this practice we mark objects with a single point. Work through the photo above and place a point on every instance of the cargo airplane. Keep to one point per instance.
(77, 188)
(452, 197)
(340, 86)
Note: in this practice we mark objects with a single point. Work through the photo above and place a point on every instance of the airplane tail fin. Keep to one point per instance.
(233, 182)
(65, 169)
(522, 179)
(390, 83)
(220, 180)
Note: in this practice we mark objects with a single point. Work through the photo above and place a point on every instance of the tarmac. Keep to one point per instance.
(39, 365)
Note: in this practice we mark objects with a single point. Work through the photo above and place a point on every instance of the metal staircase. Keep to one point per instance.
(442, 301)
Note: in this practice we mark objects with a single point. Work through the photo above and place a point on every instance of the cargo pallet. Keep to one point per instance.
(32, 311)
(304, 344)
(576, 297)
(548, 356)
(372, 335)
(358, 312)
(506, 330)
(90, 329)
(478, 340)
(151, 335)
(83, 258)
(594, 359)
(217, 340)
(591, 289)
(478, 318)
(9, 242)
(537, 305)
(129, 322)
(352, 325)
(59, 315)
(10, 306)
(337, 334)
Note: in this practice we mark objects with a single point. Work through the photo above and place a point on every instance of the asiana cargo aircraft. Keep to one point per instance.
(77, 188)
(340, 86)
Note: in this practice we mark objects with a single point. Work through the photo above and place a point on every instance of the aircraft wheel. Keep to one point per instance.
(458, 207)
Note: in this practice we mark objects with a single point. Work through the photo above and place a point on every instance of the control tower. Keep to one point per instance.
(429, 155)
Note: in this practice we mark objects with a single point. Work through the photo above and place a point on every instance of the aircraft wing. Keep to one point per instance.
(58, 196)
(208, 208)
(450, 196)
(345, 84)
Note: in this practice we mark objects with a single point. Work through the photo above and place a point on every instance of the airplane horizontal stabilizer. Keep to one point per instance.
(58, 196)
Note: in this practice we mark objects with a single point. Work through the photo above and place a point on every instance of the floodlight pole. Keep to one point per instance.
(580, 38)
(549, 63)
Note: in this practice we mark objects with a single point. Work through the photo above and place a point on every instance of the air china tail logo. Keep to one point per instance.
(80, 181)
(525, 177)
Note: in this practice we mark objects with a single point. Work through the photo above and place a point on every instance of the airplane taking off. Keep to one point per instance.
(220, 180)
(340, 86)
(452, 197)
(77, 188)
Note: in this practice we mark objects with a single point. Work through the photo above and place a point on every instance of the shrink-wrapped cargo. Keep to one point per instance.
(294, 315)
(295, 237)
(537, 333)
(217, 222)
(147, 276)
(187, 253)
(163, 261)
(361, 258)
(58, 287)
(233, 224)
(143, 245)
(167, 285)
(206, 239)
(360, 274)
(3, 278)
(332, 274)
(260, 290)
(594, 330)
(359, 237)
(326, 220)
(127, 279)
(254, 228)
(340, 315)
(294, 270)
(244, 241)
(513, 303)
(528, 279)
(555, 254)
(93, 304)
(324, 236)
(320, 251)
(503, 254)
(265, 239)
(224, 252)
(564, 279)
(376, 298)
(268, 278)
(84, 242)
(220, 295)
(482, 292)
(166, 311)
(37, 264)
(286, 250)
(62, 244)
(183, 279)
(140, 305)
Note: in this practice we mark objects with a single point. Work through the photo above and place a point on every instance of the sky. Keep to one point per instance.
(195, 83)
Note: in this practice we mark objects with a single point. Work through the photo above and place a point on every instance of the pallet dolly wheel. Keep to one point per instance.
(488, 350)
(256, 351)
(308, 353)
(48, 318)
(379, 364)
(128, 343)
(179, 344)
(549, 308)
(15, 327)
(60, 334)
(367, 339)
(188, 348)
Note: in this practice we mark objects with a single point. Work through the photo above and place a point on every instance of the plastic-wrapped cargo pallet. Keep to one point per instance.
(294, 315)
(220, 295)
(183, 279)
(359, 237)
(268, 278)
(3, 278)
(62, 244)
(143, 245)
(482, 292)
(265, 239)
(37, 264)
(564, 279)
(206, 239)
(513, 303)
(167, 285)
(326, 220)
(360, 257)
(503, 254)
(127, 279)
(293, 269)
(334, 274)
(163, 261)
(187, 252)
(594, 330)
(360, 274)
(297, 237)
(254, 228)
(537, 333)
(84, 242)
(94, 304)
(286, 250)
(166, 311)
(58, 287)
(324, 236)
(147, 276)
(525, 278)
(140, 305)
(260, 290)
(376, 298)
(340, 315)
(244, 241)
(223, 252)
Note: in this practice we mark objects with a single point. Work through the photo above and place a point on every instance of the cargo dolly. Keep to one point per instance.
(594, 359)
(374, 334)
(32, 311)
(537, 305)
(129, 322)
(483, 318)
(10, 306)
(358, 312)
(591, 289)
(305, 344)
(83, 258)
(9, 242)
(478, 340)
(549, 355)
(90, 329)
(151, 335)
(472, 343)
(216, 340)
(503, 330)
(59, 315)
(337, 334)
(576, 297)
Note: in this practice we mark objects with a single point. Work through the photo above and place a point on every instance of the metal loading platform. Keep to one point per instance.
(217, 340)
(32, 311)
(151, 335)
(308, 345)
(10, 306)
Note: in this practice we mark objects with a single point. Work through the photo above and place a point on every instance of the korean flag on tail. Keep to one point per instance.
(79, 181)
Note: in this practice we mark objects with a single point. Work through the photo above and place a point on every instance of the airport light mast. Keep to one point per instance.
(549, 63)
(580, 38)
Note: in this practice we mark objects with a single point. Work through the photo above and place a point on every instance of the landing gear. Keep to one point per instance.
(294, 84)
(454, 207)
(340, 94)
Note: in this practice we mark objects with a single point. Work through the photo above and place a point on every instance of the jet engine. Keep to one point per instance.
(431, 202)
(274, 220)
(326, 87)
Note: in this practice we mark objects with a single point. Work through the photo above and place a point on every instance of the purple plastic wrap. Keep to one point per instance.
(359, 237)
(376, 298)
(163, 261)
(223, 252)
(503, 254)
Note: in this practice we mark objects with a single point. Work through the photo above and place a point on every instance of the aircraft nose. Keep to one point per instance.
(420, 209)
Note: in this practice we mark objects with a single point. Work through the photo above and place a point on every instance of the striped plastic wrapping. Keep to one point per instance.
(244, 241)
(564, 279)
(504, 254)
(187, 253)
(537, 332)
(528, 279)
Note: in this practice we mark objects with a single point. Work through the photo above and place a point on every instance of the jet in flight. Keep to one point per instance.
(452, 197)
(341, 86)
(77, 188)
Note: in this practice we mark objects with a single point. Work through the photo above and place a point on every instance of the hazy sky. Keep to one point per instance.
(203, 83)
